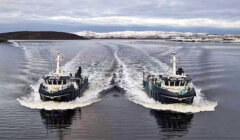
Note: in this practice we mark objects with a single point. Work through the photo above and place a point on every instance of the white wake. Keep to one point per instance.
(98, 82)
(130, 81)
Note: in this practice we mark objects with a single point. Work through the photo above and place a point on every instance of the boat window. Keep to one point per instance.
(182, 83)
(177, 83)
(64, 82)
(171, 83)
(166, 83)
(54, 82)
(59, 82)
(50, 82)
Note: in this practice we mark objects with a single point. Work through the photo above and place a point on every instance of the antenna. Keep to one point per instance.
(174, 63)
(58, 64)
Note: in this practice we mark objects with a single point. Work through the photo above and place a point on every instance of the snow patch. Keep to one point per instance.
(173, 36)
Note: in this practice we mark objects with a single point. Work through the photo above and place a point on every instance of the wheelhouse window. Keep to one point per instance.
(50, 82)
(54, 82)
(59, 82)
(166, 83)
(64, 82)
(177, 83)
(171, 83)
(182, 83)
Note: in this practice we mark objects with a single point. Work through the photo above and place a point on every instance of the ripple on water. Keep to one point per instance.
(98, 82)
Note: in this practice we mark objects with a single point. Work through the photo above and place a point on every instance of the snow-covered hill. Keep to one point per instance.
(174, 36)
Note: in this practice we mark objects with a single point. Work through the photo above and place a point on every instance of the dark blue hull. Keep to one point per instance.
(167, 97)
(65, 95)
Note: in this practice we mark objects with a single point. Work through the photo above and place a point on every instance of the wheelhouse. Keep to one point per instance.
(56, 83)
(63, 80)
(175, 83)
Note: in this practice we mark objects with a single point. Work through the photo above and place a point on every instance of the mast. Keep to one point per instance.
(174, 63)
(58, 64)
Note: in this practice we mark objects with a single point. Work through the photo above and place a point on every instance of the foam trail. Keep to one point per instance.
(33, 100)
(165, 69)
(90, 96)
(136, 93)
(199, 105)
(15, 44)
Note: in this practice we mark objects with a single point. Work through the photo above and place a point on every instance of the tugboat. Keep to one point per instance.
(62, 86)
(172, 88)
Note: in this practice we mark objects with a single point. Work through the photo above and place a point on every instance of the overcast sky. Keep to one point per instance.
(216, 16)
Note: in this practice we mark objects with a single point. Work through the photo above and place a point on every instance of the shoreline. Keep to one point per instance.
(125, 35)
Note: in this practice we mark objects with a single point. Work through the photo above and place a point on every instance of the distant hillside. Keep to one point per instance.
(171, 36)
(3, 40)
(41, 35)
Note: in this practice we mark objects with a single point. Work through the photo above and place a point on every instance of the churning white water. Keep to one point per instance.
(97, 79)
(135, 91)
(96, 64)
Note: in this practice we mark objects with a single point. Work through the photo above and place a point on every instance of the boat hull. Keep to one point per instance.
(65, 95)
(167, 97)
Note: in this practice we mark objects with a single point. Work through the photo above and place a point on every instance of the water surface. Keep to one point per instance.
(116, 106)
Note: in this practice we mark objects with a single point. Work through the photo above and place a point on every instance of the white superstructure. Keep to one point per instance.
(177, 82)
(59, 80)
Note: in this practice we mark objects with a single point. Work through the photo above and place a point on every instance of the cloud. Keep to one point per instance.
(139, 21)
(176, 13)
